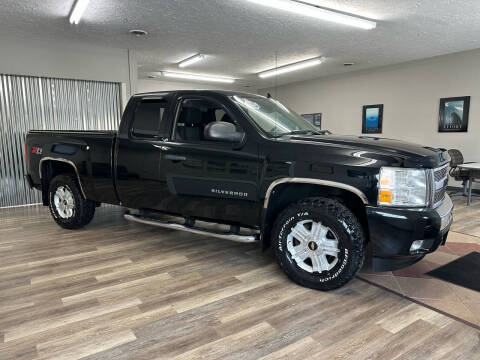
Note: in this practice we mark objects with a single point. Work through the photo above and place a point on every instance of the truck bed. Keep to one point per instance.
(90, 152)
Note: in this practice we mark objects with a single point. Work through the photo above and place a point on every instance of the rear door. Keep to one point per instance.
(209, 179)
(139, 153)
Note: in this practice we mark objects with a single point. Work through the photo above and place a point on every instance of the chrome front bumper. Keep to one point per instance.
(445, 211)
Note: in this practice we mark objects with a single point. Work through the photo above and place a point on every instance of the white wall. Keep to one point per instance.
(22, 56)
(410, 93)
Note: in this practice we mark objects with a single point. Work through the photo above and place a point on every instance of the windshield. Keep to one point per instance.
(273, 117)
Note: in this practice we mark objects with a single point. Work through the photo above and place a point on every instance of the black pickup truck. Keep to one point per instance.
(247, 168)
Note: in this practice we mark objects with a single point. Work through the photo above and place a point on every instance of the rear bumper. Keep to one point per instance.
(393, 230)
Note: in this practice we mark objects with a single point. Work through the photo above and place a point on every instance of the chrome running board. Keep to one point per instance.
(196, 230)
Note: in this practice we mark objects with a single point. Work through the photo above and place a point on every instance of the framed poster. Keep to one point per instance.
(315, 119)
(372, 119)
(453, 115)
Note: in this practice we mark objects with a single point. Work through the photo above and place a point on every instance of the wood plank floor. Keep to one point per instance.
(118, 290)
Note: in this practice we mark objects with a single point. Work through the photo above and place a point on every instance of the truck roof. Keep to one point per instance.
(198, 92)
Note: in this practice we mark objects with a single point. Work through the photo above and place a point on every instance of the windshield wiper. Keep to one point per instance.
(303, 132)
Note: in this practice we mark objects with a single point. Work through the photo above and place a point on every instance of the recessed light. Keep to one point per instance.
(291, 67)
(200, 77)
(191, 60)
(312, 10)
(138, 32)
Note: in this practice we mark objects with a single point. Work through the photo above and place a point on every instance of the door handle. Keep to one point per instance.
(176, 158)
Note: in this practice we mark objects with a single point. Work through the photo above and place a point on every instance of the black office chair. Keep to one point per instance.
(457, 173)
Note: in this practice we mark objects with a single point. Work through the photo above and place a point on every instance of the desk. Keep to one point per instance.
(474, 169)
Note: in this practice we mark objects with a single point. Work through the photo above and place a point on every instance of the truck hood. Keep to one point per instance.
(414, 155)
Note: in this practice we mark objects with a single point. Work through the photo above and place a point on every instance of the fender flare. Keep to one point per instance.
(71, 163)
(312, 181)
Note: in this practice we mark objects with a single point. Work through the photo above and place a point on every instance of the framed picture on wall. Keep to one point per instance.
(372, 119)
(453, 115)
(315, 119)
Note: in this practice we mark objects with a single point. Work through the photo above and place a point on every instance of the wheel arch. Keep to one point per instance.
(286, 191)
(50, 167)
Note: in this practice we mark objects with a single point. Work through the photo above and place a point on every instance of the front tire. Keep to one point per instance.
(319, 243)
(67, 205)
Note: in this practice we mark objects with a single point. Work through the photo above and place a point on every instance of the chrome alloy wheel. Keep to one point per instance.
(64, 202)
(313, 246)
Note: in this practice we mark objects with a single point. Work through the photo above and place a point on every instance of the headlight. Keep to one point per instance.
(402, 187)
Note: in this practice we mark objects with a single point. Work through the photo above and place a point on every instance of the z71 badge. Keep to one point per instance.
(37, 150)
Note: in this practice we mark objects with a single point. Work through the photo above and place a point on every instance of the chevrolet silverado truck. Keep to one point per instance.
(247, 168)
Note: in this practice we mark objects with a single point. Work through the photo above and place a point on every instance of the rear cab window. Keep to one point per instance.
(148, 118)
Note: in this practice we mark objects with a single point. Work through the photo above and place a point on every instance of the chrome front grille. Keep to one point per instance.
(438, 185)
(438, 196)
(440, 173)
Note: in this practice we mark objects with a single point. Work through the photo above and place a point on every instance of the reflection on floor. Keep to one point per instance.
(416, 283)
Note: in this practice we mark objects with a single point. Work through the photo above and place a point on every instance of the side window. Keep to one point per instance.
(194, 115)
(148, 116)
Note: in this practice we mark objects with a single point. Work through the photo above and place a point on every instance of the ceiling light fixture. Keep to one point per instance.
(77, 12)
(189, 61)
(199, 77)
(308, 9)
(291, 67)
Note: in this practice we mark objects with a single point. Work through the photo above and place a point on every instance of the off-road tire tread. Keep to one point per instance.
(339, 211)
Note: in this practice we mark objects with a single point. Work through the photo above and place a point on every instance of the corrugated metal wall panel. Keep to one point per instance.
(28, 102)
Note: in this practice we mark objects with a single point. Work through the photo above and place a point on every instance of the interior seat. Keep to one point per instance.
(190, 124)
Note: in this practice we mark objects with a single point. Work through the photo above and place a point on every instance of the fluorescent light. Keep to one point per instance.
(197, 77)
(302, 8)
(189, 61)
(77, 12)
(292, 67)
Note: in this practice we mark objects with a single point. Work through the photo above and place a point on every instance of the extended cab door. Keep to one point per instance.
(138, 152)
(209, 179)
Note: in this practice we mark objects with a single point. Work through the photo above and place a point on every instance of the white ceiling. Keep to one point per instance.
(242, 38)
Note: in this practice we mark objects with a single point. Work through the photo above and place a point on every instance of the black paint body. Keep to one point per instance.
(203, 179)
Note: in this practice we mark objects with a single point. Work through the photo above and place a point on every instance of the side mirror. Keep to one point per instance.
(223, 131)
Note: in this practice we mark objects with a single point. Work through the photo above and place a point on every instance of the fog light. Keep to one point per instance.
(417, 245)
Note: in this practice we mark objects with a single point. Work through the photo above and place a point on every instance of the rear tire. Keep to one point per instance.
(67, 205)
(319, 243)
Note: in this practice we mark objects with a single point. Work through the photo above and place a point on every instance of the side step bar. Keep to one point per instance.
(196, 230)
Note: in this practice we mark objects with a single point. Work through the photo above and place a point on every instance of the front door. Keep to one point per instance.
(209, 179)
